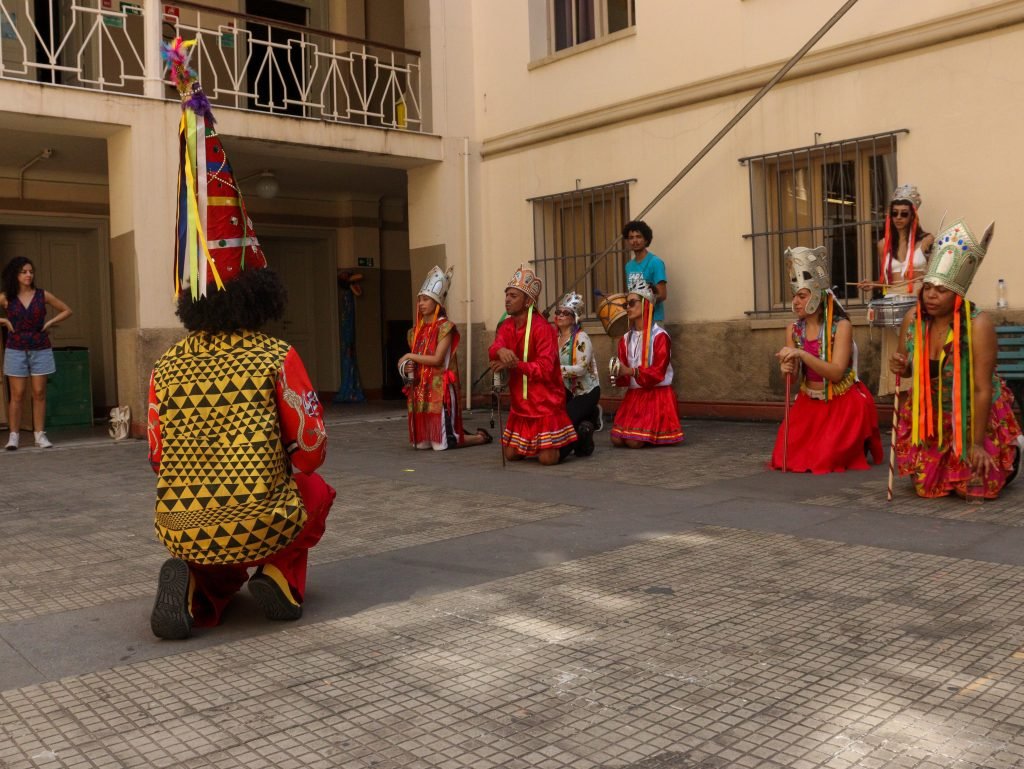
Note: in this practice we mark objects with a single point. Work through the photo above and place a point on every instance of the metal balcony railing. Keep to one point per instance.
(244, 62)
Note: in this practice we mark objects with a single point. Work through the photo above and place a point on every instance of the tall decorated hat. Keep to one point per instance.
(572, 302)
(214, 239)
(809, 269)
(526, 280)
(906, 193)
(437, 284)
(637, 284)
(956, 256)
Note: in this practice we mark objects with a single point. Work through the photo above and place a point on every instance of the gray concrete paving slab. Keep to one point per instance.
(664, 608)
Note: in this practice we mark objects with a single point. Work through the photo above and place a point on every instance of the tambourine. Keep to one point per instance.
(407, 371)
(613, 369)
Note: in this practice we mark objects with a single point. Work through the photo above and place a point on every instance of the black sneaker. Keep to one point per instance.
(584, 439)
(171, 619)
(274, 603)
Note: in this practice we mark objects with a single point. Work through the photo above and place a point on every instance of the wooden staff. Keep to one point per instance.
(892, 442)
(785, 425)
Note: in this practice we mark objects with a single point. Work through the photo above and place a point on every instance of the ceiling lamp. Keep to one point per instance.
(267, 185)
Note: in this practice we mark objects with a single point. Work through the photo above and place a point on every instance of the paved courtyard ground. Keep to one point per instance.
(672, 608)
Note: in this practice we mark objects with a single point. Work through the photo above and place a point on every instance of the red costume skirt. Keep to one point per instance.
(531, 435)
(830, 436)
(937, 471)
(649, 416)
(215, 584)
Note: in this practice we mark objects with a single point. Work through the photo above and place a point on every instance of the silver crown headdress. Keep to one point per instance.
(906, 192)
(956, 256)
(437, 284)
(808, 269)
(572, 302)
(637, 284)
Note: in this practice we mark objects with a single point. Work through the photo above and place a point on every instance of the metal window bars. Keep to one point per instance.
(833, 194)
(571, 230)
(244, 62)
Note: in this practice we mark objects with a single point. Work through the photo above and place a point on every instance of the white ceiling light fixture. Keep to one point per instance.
(267, 185)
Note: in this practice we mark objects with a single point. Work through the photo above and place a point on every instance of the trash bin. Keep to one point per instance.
(69, 390)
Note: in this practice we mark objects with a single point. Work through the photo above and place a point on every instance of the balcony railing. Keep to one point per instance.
(244, 62)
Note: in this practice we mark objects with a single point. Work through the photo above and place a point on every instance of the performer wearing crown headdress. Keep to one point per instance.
(647, 415)
(579, 373)
(957, 429)
(235, 427)
(526, 346)
(432, 392)
(903, 259)
(833, 422)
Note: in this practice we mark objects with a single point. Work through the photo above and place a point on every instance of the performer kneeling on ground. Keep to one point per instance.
(231, 412)
(433, 392)
(957, 430)
(579, 374)
(647, 416)
(833, 421)
(526, 346)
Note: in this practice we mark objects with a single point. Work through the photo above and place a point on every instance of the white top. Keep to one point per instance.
(634, 355)
(920, 264)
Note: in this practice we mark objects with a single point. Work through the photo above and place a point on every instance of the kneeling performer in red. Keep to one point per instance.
(526, 346)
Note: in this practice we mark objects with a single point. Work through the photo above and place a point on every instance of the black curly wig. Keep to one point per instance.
(245, 304)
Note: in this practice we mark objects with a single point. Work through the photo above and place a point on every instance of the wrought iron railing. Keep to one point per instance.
(244, 62)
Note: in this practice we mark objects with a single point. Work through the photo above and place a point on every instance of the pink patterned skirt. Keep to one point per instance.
(937, 471)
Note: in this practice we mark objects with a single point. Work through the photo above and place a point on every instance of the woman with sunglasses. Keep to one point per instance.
(647, 416)
(579, 374)
(903, 259)
(833, 422)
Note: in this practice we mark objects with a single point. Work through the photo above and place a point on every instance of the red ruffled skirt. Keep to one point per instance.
(531, 435)
(937, 472)
(830, 436)
(649, 416)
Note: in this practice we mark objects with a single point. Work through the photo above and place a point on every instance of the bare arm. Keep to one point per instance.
(5, 321)
(63, 311)
(842, 351)
(984, 363)
(662, 292)
(899, 362)
(432, 360)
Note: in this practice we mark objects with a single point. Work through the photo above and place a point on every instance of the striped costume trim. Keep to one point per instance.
(657, 439)
(541, 442)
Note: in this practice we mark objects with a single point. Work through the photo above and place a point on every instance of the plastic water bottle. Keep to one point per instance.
(1001, 294)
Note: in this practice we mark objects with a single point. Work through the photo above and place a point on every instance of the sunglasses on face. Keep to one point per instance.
(563, 312)
(633, 302)
(900, 214)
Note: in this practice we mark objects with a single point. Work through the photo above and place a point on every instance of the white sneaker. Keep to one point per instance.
(12, 441)
(42, 441)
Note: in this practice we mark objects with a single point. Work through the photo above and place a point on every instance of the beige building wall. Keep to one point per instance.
(643, 104)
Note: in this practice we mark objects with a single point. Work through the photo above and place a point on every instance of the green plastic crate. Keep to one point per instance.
(69, 390)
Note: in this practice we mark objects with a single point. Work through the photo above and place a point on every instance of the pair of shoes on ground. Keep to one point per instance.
(584, 439)
(172, 620)
(14, 441)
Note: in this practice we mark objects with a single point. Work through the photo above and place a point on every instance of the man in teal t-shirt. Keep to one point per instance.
(638, 237)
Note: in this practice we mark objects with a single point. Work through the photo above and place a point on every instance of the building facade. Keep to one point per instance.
(381, 137)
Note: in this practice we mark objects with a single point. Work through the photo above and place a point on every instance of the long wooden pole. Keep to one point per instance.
(785, 425)
(718, 137)
(892, 442)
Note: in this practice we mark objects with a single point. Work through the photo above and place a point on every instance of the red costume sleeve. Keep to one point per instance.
(301, 416)
(505, 336)
(543, 358)
(156, 442)
(650, 376)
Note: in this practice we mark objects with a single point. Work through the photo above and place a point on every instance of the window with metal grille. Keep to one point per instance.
(833, 195)
(570, 231)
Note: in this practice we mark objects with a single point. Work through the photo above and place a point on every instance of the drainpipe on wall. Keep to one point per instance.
(153, 17)
(469, 274)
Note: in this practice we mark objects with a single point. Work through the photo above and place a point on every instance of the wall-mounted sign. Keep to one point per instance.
(365, 261)
(172, 10)
(131, 9)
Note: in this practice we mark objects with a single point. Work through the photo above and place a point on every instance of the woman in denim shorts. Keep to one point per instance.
(28, 354)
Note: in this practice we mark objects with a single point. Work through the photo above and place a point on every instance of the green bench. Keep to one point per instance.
(1010, 360)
